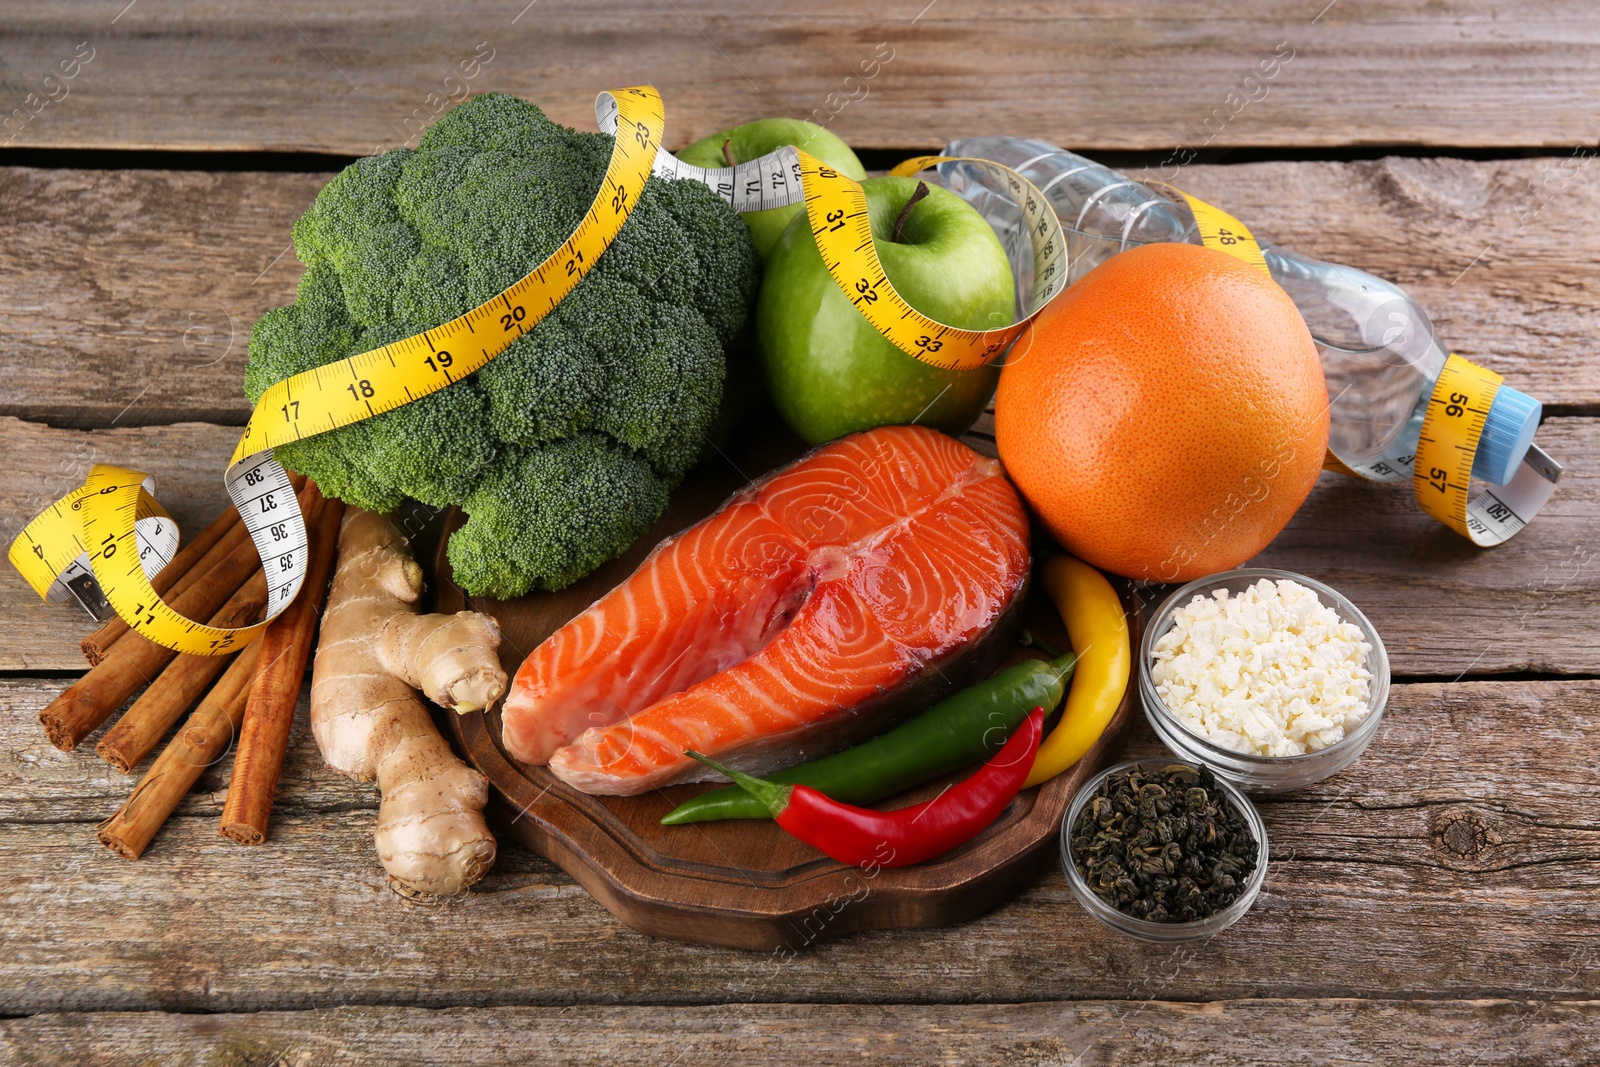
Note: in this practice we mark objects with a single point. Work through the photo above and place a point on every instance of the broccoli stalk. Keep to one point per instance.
(563, 449)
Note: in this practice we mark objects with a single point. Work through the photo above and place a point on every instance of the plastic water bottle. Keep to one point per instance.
(1379, 351)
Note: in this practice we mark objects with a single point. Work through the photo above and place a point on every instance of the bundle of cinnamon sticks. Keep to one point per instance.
(217, 577)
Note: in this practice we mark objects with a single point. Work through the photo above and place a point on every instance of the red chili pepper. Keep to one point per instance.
(862, 836)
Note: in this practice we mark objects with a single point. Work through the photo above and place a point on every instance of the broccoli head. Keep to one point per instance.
(563, 449)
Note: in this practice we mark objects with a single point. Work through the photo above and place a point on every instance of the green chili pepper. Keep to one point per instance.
(971, 725)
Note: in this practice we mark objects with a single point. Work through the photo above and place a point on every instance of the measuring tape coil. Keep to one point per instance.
(52, 547)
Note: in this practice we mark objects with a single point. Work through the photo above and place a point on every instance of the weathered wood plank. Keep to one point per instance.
(1456, 859)
(141, 286)
(40, 783)
(1442, 606)
(133, 292)
(301, 75)
(1492, 1033)
(1495, 253)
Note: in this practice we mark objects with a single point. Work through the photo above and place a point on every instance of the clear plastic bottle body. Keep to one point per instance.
(1379, 352)
(1378, 349)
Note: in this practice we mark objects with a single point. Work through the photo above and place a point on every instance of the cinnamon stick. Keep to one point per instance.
(185, 565)
(269, 713)
(190, 565)
(179, 686)
(135, 659)
(201, 742)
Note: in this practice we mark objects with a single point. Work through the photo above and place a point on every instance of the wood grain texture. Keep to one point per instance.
(39, 783)
(1442, 606)
(1445, 607)
(136, 290)
(1280, 1033)
(1457, 860)
(299, 74)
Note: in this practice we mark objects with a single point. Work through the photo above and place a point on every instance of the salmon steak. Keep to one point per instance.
(819, 605)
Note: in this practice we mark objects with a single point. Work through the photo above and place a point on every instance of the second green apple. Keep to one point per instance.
(830, 371)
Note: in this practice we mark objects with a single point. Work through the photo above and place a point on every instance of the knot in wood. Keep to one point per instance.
(1464, 837)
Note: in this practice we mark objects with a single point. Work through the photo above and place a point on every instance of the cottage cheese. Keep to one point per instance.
(1270, 671)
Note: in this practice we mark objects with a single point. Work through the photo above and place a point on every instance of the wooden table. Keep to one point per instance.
(1436, 903)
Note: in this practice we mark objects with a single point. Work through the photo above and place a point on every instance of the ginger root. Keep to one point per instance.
(375, 652)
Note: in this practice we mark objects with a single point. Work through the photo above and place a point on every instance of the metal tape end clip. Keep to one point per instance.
(1541, 461)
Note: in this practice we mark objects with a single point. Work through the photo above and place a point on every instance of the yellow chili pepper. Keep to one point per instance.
(1099, 631)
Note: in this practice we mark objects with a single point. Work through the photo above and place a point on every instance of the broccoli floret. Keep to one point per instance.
(544, 387)
(433, 449)
(314, 330)
(674, 370)
(721, 254)
(515, 539)
(561, 450)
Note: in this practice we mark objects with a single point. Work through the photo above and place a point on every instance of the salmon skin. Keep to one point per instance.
(819, 605)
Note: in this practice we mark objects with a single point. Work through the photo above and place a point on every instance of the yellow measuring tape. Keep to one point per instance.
(1222, 231)
(97, 523)
(1441, 470)
(836, 207)
(326, 398)
(52, 547)
(374, 382)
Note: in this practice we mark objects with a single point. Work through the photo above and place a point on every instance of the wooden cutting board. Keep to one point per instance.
(744, 884)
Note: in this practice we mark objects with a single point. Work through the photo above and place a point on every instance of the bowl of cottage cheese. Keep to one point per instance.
(1272, 679)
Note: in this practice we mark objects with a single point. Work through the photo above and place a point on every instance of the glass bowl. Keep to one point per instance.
(1144, 929)
(1262, 774)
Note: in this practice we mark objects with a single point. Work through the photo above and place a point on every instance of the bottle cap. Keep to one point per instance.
(1507, 433)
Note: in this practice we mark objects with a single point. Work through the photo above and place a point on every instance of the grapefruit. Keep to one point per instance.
(1166, 415)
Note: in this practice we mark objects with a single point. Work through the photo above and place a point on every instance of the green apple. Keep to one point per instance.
(755, 139)
(830, 372)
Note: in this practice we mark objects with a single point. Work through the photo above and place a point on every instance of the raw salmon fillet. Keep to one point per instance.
(786, 623)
